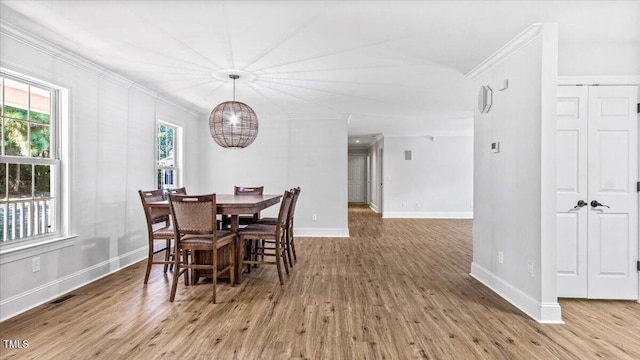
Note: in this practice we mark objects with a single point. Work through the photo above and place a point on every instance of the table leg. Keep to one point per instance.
(235, 226)
(235, 223)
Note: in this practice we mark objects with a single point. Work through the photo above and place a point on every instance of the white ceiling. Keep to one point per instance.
(392, 67)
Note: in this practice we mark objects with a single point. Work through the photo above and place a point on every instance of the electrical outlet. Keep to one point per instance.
(35, 264)
(417, 204)
(530, 268)
(500, 257)
(314, 217)
(404, 204)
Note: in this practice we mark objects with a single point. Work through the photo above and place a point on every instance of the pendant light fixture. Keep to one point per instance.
(233, 124)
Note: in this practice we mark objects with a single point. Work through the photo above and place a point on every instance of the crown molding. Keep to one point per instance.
(509, 48)
(59, 53)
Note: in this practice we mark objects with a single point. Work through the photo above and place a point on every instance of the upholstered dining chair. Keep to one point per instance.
(178, 191)
(289, 245)
(255, 236)
(243, 219)
(245, 190)
(164, 232)
(194, 223)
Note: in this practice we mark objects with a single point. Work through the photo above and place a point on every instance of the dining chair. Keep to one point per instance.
(289, 246)
(254, 236)
(243, 219)
(163, 233)
(194, 223)
(245, 190)
(178, 191)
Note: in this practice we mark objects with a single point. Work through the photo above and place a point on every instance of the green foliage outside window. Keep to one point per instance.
(17, 142)
(165, 144)
(16, 133)
(17, 113)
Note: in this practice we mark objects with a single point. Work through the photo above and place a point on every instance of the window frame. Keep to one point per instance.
(58, 112)
(177, 153)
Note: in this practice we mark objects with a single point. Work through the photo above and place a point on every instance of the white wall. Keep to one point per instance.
(514, 190)
(288, 152)
(436, 183)
(592, 59)
(112, 131)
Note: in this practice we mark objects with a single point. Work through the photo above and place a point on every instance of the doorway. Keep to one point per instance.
(597, 197)
(357, 178)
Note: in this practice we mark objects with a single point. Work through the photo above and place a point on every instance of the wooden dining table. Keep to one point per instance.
(232, 206)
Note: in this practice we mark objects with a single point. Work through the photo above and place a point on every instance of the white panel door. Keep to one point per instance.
(597, 162)
(613, 173)
(572, 205)
(356, 178)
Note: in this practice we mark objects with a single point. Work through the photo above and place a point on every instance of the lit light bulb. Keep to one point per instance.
(233, 119)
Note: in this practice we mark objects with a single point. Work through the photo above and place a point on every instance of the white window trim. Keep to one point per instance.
(62, 148)
(177, 151)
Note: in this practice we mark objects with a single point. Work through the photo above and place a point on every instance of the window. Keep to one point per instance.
(28, 159)
(167, 160)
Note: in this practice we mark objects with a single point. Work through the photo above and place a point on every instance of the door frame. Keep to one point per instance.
(611, 80)
(363, 157)
(381, 178)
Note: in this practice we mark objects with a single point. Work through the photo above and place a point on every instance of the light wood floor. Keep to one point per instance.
(397, 289)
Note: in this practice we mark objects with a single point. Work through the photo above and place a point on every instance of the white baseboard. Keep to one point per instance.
(321, 232)
(27, 300)
(427, 215)
(547, 313)
(374, 207)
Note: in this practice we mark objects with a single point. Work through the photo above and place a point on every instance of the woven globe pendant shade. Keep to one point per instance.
(233, 124)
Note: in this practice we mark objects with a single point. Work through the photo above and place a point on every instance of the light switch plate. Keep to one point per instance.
(495, 147)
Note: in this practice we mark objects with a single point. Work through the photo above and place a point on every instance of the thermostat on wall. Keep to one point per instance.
(495, 147)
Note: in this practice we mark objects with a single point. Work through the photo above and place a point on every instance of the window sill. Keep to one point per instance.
(14, 252)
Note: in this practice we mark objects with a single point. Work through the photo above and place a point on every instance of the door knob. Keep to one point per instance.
(595, 204)
(580, 204)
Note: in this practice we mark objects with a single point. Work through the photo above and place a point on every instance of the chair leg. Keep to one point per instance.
(293, 245)
(283, 254)
(195, 274)
(167, 250)
(215, 272)
(171, 255)
(249, 249)
(149, 262)
(278, 265)
(187, 272)
(232, 261)
(288, 248)
(176, 274)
